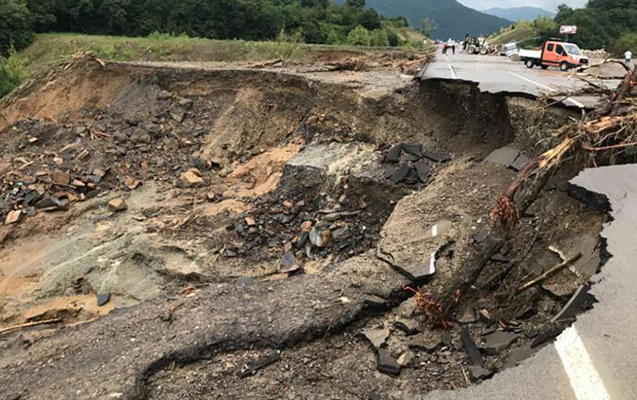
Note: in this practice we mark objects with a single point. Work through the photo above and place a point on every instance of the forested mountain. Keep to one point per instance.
(519, 13)
(451, 18)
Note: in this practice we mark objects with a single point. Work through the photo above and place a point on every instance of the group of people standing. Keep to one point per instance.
(451, 44)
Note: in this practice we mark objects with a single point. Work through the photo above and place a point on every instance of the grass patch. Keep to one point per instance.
(54, 48)
(12, 73)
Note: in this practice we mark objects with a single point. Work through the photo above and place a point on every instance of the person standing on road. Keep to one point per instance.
(451, 44)
(465, 45)
(628, 55)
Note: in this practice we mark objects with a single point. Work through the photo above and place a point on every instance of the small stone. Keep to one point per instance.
(132, 183)
(164, 95)
(306, 226)
(13, 217)
(103, 298)
(466, 316)
(78, 183)
(426, 341)
(117, 205)
(140, 136)
(60, 177)
(120, 136)
(406, 359)
(33, 140)
(340, 233)
(387, 364)
(250, 221)
(288, 204)
(191, 179)
(288, 260)
(211, 196)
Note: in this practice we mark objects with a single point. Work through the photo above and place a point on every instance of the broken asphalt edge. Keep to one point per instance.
(610, 343)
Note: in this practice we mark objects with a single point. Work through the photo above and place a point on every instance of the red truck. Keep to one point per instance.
(555, 53)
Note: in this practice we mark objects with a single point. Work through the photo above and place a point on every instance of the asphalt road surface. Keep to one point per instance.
(496, 74)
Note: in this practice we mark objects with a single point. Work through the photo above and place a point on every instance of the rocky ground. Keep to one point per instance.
(202, 231)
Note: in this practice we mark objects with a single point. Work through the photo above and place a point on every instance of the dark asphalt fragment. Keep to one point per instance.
(387, 364)
(393, 155)
(261, 363)
(424, 170)
(436, 156)
(414, 149)
(471, 348)
(400, 174)
(495, 342)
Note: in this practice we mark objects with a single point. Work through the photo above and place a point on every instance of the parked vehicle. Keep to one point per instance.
(509, 49)
(554, 53)
(478, 46)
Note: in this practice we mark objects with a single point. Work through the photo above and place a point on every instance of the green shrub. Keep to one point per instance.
(359, 36)
(15, 25)
(628, 41)
(12, 73)
(379, 38)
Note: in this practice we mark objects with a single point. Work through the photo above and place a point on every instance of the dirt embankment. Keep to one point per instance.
(254, 213)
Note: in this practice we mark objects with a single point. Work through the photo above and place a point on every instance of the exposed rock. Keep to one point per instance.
(191, 178)
(117, 205)
(406, 359)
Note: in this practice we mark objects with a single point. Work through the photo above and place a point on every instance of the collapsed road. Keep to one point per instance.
(502, 75)
(197, 231)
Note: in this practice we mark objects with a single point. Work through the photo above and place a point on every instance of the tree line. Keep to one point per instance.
(310, 21)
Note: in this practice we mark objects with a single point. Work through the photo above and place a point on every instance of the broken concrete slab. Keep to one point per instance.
(495, 342)
(477, 372)
(377, 337)
(509, 157)
(504, 156)
(386, 363)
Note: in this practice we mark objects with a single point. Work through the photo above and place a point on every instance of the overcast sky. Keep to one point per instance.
(550, 5)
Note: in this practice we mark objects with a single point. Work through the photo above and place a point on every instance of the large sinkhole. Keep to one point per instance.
(267, 232)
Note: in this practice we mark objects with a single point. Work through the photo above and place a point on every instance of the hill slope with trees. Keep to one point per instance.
(449, 17)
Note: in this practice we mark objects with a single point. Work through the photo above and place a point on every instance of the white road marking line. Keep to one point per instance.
(533, 82)
(434, 231)
(453, 73)
(432, 263)
(584, 379)
(575, 102)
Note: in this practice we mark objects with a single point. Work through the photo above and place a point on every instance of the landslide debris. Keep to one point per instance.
(267, 228)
